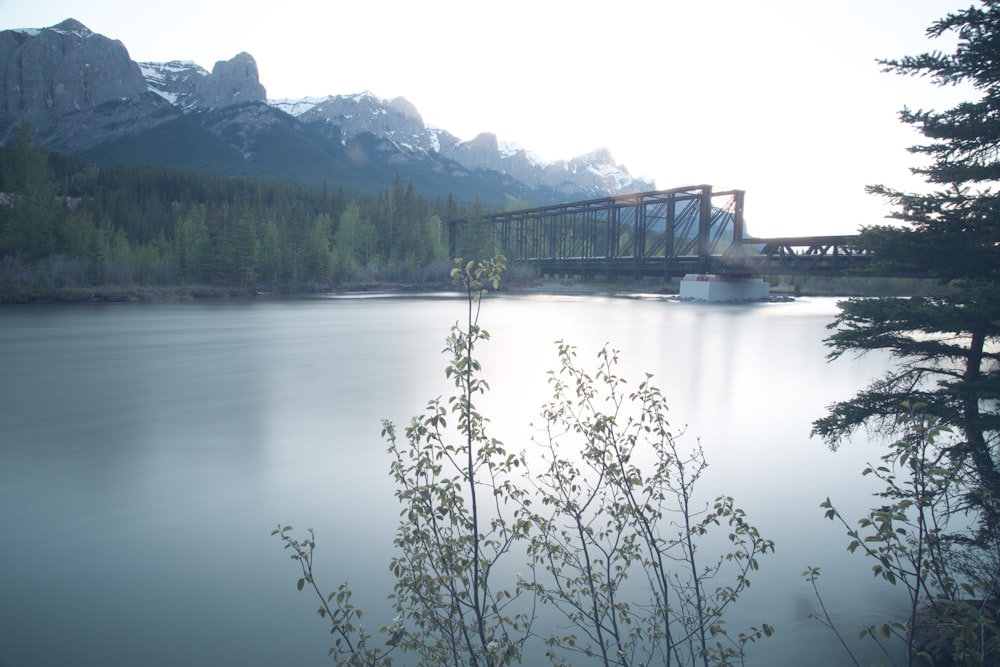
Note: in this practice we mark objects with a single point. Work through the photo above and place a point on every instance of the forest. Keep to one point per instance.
(609, 502)
(67, 227)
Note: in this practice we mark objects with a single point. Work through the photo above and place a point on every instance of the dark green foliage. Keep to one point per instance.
(179, 144)
(476, 236)
(66, 224)
(946, 346)
(919, 538)
(280, 150)
(947, 354)
(355, 241)
(462, 514)
(27, 216)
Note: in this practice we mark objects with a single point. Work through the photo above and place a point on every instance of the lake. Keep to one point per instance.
(149, 449)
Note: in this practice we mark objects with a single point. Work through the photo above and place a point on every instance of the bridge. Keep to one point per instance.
(664, 233)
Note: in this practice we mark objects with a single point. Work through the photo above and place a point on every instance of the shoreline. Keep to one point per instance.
(178, 293)
(175, 293)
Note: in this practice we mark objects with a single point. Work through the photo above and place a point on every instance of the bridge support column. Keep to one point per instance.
(715, 288)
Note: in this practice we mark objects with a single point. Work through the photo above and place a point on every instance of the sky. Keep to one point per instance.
(783, 99)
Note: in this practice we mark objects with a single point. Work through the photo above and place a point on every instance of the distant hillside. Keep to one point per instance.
(84, 96)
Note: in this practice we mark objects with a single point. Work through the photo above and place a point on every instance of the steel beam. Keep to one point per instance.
(696, 228)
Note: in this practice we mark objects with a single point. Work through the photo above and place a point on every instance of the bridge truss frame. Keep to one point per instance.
(677, 225)
(666, 233)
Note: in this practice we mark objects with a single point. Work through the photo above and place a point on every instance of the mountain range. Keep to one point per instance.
(85, 96)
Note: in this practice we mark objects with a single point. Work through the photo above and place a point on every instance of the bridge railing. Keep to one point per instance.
(661, 233)
(682, 222)
(812, 255)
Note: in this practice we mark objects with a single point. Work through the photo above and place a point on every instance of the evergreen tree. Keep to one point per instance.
(946, 346)
(192, 245)
(98, 252)
(74, 234)
(241, 241)
(318, 260)
(28, 216)
(270, 253)
(435, 239)
(125, 224)
(355, 240)
(475, 236)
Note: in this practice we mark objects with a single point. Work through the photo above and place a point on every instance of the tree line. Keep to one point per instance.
(65, 223)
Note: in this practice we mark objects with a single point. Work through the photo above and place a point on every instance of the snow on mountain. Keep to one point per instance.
(175, 81)
(399, 122)
(94, 70)
(299, 106)
(73, 28)
(510, 149)
(434, 135)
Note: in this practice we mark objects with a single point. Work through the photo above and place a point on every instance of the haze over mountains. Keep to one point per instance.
(84, 96)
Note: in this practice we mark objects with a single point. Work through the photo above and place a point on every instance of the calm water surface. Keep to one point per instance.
(146, 451)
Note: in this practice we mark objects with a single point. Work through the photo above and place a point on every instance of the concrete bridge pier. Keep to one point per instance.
(721, 288)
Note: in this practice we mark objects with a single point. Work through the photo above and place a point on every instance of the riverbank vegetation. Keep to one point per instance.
(607, 538)
(937, 529)
(69, 230)
(618, 507)
(597, 529)
(855, 285)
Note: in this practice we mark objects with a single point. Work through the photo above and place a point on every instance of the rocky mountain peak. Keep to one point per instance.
(481, 152)
(189, 86)
(233, 81)
(64, 68)
(73, 27)
(176, 81)
(405, 108)
(599, 156)
(397, 121)
(484, 140)
(81, 91)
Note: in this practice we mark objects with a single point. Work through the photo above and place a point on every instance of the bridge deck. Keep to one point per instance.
(661, 233)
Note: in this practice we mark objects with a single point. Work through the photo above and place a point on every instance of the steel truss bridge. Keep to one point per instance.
(663, 233)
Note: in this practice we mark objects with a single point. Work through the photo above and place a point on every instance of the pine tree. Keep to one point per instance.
(270, 253)
(475, 237)
(355, 239)
(318, 260)
(192, 246)
(241, 241)
(28, 220)
(946, 347)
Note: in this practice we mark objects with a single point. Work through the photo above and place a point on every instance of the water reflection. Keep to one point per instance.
(148, 450)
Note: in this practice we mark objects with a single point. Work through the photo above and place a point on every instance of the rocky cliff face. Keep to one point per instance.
(346, 116)
(176, 81)
(65, 68)
(190, 87)
(234, 81)
(81, 92)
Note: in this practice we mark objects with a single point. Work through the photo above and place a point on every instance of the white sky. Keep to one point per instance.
(781, 98)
